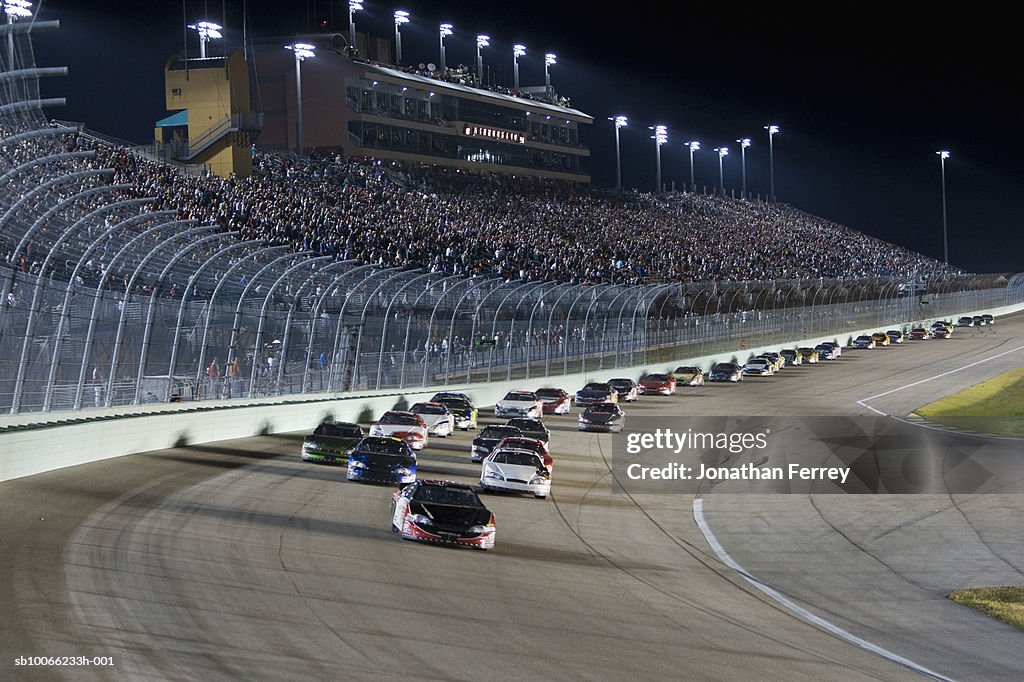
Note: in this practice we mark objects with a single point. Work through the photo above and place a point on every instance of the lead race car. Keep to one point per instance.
(444, 512)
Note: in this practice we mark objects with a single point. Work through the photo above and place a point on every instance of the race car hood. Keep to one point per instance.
(519, 472)
(337, 443)
(601, 418)
(451, 516)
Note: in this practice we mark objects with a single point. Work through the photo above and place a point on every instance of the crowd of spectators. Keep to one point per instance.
(458, 222)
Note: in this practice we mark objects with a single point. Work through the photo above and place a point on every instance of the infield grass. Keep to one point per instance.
(1005, 604)
(995, 406)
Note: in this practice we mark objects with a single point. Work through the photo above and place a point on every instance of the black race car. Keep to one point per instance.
(530, 428)
(606, 417)
(382, 459)
(330, 442)
(444, 512)
(489, 437)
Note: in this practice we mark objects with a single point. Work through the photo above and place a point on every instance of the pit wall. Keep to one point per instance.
(29, 445)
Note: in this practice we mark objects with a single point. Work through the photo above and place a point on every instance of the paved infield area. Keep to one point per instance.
(237, 560)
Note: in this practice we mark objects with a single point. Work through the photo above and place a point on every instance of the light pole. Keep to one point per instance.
(744, 143)
(693, 146)
(353, 7)
(943, 155)
(660, 137)
(14, 9)
(207, 30)
(620, 122)
(549, 59)
(773, 130)
(722, 153)
(517, 52)
(401, 17)
(482, 41)
(303, 51)
(446, 30)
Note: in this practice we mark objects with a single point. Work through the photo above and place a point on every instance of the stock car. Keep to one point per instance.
(979, 321)
(880, 339)
(489, 438)
(442, 511)
(895, 336)
(658, 384)
(863, 342)
(330, 442)
(556, 400)
(791, 356)
(439, 419)
(826, 351)
(530, 428)
(726, 371)
(758, 367)
(835, 346)
(596, 392)
(516, 471)
(965, 321)
(606, 417)
(686, 375)
(774, 359)
(942, 332)
(519, 404)
(989, 319)
(382, 459)
(808, 355)
(530, 444)
(919, 334)
(461, 407)
(403, 425)
(626, 389)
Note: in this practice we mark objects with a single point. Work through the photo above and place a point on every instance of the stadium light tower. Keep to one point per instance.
(401, 17)
(303, 51)
(14, 9)
(943, 155)
(620, 122)
(353, 7)
(446, 30)
(722, 153)
(482, 41)
(773, 130)
(660, 137)
(744, 143)
(549, 59)
(693, 146)
(207, 31)
(517, 52)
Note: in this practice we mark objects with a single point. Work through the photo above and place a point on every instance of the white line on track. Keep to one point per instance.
(786, 602)
(864, 401)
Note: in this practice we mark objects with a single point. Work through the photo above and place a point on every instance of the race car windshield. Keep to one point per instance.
(549, 393)
(656, 377)
(339, 431)
(423, 408)
(526, 424)
(516, 458)
(499, 432)
(456, 497)
(399, 419)
(596, 387)
(519, 395)
(607, 408)
(687, 370)
(455, 404)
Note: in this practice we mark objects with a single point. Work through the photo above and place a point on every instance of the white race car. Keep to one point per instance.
(403, 425)
(520, 404)
(519, 471)
(438, 418)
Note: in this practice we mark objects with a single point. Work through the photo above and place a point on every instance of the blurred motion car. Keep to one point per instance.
(530, 428)
(919, 334)
(895, 336)
(826, 351)
(438, 418)
(989, 319)
(726, 371)
(461, 407)
(863, 342)
(942, 333)
(606, 417)
(516, 471)
(330, 442)
(687, 375)
(596, 392)
(965, 321)
(979, 321)
(880, 339)
(809, 355)
(444, 512)
(757, 367)
(658, 384)
(791, 356)
(404, 425)
(382, 459)
(556, 400)
(835, 346)
(627, 389)
(519, 404)
(489, 438)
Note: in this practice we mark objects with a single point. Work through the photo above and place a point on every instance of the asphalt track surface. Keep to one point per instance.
(237, 560)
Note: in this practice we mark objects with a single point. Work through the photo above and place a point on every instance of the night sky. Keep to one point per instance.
(865, 94)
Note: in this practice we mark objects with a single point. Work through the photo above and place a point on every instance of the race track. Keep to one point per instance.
(237, 560)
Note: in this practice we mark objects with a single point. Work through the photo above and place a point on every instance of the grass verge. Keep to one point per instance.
(994, 406)
(1005, 604)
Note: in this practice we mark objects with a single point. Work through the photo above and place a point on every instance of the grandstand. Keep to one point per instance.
(125, 281)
